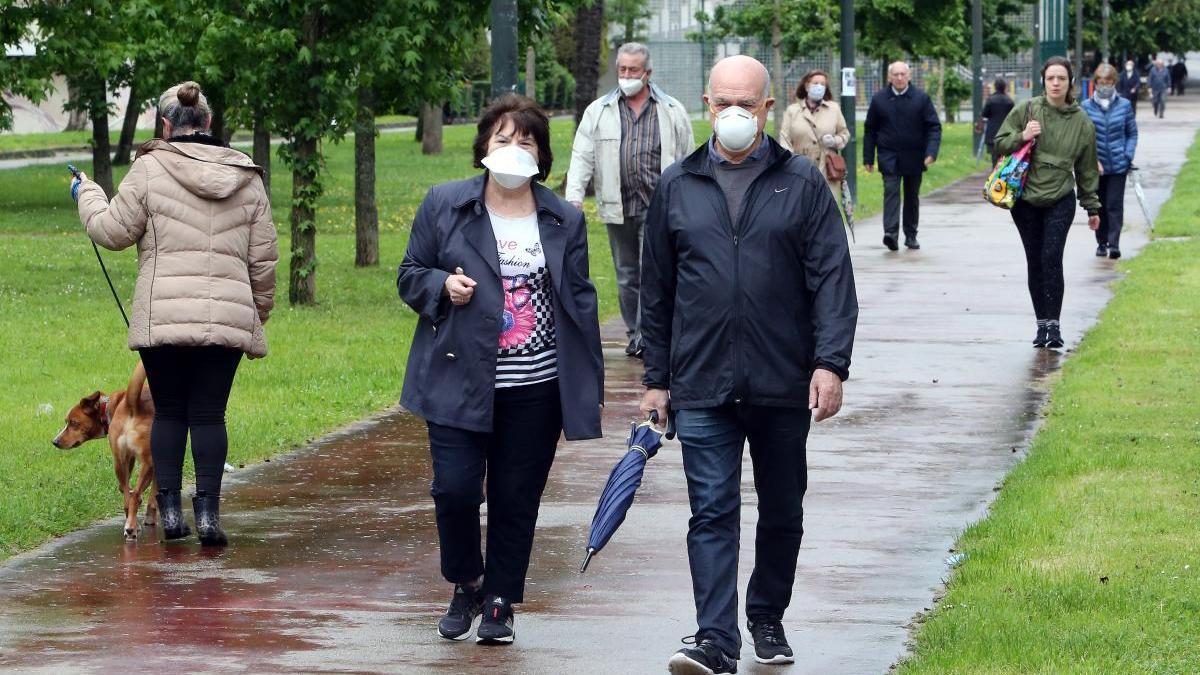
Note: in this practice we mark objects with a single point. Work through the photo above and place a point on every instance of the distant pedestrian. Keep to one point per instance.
(814, 127)
(902, 125)
(1065, 157)
(998, 105)
(1129, 84)
(1160, 82)
(1116, 143)
(201, 219)
(749, 313)
(624, 142)
(505, 358)
(1179, 75)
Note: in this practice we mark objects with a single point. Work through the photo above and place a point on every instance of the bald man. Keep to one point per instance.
(902, 126)
(748, 320)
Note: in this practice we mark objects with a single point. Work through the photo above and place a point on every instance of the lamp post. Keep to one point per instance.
(976, 68)
(849, 95)
(504, 47)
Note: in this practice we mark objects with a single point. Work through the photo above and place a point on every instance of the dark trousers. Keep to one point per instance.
(1044, 235)
(625, 240)
(1159, 100)
(892, 188)
(190, 387)
(515, 458)
(713, 440)
(1112, 209)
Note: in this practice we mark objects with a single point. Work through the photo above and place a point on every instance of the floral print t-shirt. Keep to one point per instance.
(526, 353)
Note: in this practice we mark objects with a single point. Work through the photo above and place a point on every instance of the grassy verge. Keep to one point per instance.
(329, 365)
(1089, 561)
(59, 139)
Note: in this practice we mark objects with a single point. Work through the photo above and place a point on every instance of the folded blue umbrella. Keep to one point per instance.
(644, 441)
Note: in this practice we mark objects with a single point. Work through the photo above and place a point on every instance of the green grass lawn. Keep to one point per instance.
(62, 338)
(1089, 561)
(60, 139)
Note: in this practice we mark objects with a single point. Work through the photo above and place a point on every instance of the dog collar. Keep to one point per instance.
(104, 418)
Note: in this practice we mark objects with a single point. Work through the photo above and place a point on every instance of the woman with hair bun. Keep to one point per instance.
(201, 219)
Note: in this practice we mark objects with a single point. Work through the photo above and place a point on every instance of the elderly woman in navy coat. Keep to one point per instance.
(505, 359)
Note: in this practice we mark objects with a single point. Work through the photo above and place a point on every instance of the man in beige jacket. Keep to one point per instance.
(624, 142)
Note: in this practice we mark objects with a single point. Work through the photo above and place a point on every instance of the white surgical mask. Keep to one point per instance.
(511, 166)
(736, 128)
(630, 86)
(1128, 66)
(816, 92)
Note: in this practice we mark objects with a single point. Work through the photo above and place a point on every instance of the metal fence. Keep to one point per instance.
(681, 64)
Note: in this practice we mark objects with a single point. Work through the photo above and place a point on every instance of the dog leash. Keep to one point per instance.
(78, 177)
(110, 284)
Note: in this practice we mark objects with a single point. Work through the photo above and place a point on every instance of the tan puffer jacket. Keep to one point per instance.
(206, 245)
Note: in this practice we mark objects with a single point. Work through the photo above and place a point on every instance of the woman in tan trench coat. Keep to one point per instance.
(813, 126)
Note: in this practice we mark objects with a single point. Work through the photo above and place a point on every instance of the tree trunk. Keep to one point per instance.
(302, 281)
(589, 22)
(76, 119)
(419, 133)
(159, 129)
(431, 127)
(216, 101)
(133, 110)
(366, 215)
(262, 148)
(531, 73)
(101, 148)
(777, 90)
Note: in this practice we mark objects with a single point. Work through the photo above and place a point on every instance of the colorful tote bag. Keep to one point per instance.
(1007, 181)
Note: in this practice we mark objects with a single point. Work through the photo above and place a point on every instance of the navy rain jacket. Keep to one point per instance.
(745, 311)
(904, 130)
(451, 375)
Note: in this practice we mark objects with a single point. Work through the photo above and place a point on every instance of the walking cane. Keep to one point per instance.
(117, 298)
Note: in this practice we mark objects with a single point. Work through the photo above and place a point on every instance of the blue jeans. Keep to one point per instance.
(713, 440)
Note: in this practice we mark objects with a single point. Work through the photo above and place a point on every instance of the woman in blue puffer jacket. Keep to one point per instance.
(1116, 141)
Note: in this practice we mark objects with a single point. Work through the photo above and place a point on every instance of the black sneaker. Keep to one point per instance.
(496, 628)
(1053, 336)
(1039, 340)
(706, 658)
(1101, 251)
(770, 644)
(1114, 252)
(911, 243)
(889, 240)
(464, 607)
(635, 349)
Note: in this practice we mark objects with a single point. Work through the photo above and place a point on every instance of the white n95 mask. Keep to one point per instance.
(511, 166)
(736, 128)
(630, 86)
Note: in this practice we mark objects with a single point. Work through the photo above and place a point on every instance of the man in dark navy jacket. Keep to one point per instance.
(902, 126)
(748, 317)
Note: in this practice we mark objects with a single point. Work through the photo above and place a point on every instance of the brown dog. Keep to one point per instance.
(125, 417)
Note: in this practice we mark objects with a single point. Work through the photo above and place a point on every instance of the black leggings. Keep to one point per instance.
(190, 387)
(1043, 232)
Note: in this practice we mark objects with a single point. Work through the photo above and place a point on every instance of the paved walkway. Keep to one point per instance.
(333, 562)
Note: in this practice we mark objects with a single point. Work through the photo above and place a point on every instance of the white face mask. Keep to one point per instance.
(736, 128)
(511, 166)
(631, 87)
(1128, 66)
(816, 92)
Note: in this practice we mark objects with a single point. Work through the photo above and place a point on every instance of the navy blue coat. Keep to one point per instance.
(451, 376)
(744, 311)
(904, 130)
(1116, 134)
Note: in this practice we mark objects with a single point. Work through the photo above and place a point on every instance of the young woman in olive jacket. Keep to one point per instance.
(1063, 159)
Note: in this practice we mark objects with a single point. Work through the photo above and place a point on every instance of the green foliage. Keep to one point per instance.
(806, 26)
(1142, 27)
(632, 16)
(895, 28)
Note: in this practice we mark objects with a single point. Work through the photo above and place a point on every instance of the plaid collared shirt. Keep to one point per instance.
(641, 156)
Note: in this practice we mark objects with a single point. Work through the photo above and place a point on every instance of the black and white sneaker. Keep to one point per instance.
(496, 628)
(705, 658)
(1101, 251)
(770, 644)
(464, 607)
(1054, 338)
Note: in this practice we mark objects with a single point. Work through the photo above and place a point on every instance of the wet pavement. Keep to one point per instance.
(333, 559)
